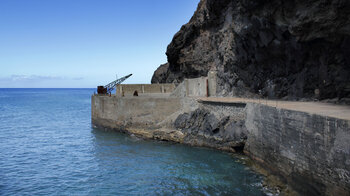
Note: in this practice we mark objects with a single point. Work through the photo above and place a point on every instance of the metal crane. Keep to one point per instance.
(110, 87)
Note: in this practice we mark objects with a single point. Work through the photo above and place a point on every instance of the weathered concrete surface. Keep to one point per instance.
(196, 87)
(172, 118)
(311, 152)
(129, 89)
(212, 82)
(146, 116)
(135, 112)
(319, 108)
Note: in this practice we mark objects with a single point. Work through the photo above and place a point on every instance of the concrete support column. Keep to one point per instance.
(212, 80)
(186, 87)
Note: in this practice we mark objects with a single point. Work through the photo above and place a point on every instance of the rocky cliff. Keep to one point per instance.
(280, 49)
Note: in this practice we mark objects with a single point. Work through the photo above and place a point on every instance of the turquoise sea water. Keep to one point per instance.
(49, 147)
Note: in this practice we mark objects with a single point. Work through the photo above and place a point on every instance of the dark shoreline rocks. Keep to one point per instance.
(280, 49)
(230, 133)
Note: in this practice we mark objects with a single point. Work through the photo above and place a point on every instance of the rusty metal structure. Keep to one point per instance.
(107, 89)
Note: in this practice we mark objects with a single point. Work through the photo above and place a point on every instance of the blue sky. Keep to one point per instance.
(85, 43)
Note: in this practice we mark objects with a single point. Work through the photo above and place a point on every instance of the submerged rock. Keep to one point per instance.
(280, 49)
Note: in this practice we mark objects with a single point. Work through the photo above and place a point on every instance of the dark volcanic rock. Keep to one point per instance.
(164, 75)
(197, 121)
(160, 75)
(285, 49)
(203, 122)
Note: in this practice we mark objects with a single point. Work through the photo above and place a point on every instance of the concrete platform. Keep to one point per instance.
(148, 95)
(323, 109)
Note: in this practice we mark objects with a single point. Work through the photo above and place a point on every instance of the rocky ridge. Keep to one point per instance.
(289, 49)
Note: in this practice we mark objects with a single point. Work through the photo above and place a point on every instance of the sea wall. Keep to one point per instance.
(179, 119)
(197, 87)
(311, 152)
(132, 112)
(129, 89)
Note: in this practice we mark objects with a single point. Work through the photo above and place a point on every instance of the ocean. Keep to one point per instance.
(49, 147)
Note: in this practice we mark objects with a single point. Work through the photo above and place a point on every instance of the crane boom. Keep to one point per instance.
(110, 87)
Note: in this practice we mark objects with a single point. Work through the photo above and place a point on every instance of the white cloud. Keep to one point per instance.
(14, 78)
(18, 81)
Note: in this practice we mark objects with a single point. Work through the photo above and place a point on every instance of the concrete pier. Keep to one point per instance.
(306, 144)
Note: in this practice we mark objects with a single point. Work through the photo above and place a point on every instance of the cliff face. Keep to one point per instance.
(280, 49)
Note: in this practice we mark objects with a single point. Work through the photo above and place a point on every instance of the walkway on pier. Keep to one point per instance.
(319, 108)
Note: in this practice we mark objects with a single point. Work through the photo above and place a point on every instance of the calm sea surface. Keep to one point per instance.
(48, 147)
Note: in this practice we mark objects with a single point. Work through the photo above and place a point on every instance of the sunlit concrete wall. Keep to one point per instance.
(311, 151)
(132, 112)
(129, 89)
(197, 87)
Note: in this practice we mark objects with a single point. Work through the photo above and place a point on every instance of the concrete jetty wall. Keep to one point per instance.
(310, 152)
(194, 87)
(132, 112)
(129, 89)
(197, 87)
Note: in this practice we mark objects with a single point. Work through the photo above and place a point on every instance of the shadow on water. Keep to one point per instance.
(135, 166)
